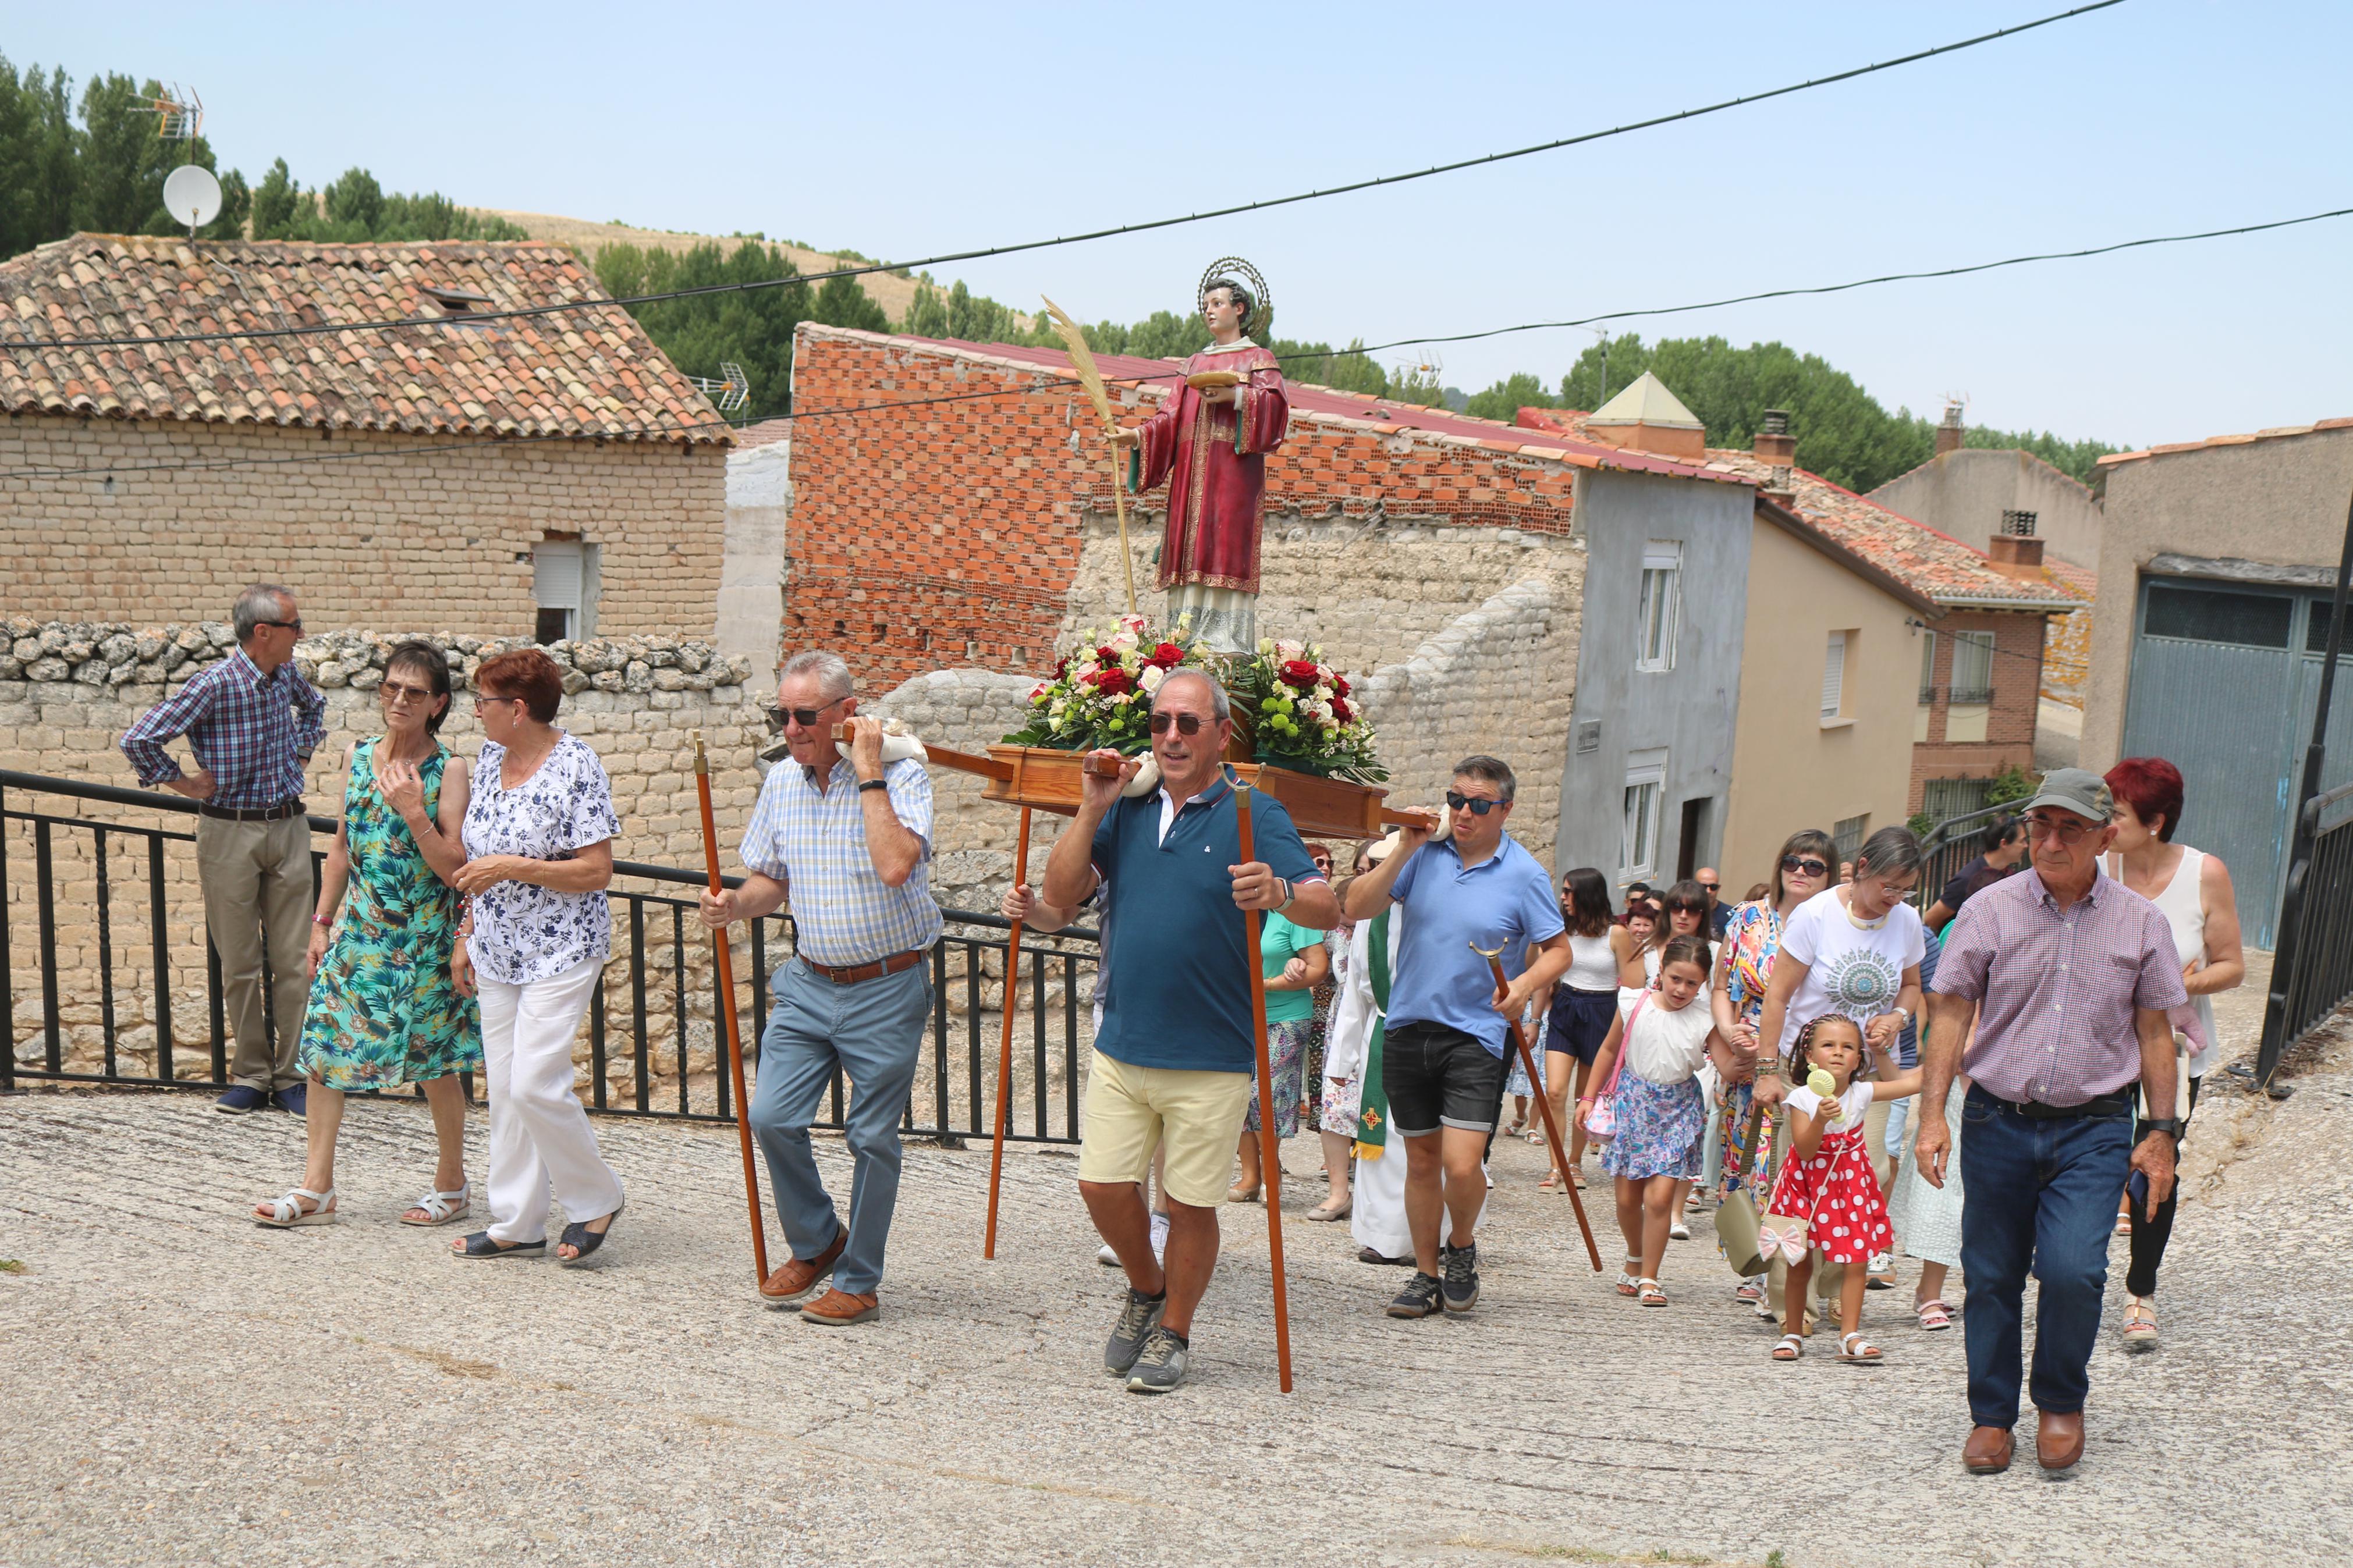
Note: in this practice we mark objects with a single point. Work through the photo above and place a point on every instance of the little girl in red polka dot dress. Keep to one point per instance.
(1828, 1198)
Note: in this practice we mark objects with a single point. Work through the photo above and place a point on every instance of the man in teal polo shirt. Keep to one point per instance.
(1174, 1055)
(1442, 1051)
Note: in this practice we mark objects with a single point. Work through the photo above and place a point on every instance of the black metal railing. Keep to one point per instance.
(1951, 844)
(116, 918)
(2312, 965)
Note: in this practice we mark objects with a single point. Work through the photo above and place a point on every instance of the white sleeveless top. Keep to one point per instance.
(1592, 966)
(2183, 904)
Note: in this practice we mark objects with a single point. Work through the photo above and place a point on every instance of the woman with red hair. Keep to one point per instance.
(2192, 890)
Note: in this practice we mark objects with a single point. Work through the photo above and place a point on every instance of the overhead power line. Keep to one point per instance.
(1053, 383)
(475, 319)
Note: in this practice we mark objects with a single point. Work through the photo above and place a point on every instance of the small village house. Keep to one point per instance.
(550, 475)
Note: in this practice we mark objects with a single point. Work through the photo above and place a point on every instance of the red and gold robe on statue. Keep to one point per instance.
(1212, 457)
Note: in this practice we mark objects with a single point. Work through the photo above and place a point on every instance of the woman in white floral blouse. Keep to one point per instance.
(539, 853)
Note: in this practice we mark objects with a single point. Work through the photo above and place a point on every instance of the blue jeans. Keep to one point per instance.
(2041, 1195)
(1899, 1116)
(872, 1031)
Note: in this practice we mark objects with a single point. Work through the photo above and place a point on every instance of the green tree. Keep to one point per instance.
(753, 328)
(36, 158)
(843, 302)
(277, 202)
(1505, 400)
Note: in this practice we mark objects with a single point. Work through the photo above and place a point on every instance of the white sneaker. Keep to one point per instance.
(1679, 1231)
(1110, 1259)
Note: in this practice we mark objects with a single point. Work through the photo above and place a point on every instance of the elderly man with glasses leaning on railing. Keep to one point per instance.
(252, 723)
(2072, 977)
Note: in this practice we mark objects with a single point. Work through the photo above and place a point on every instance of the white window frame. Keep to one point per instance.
(1658, 606)
(1971, 693)
(1639, 829)
(1834, 678)
(564, 577)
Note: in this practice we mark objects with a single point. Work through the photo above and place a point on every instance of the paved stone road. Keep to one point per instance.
(181, 1386)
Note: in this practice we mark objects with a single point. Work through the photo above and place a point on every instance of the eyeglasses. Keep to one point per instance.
(1806, 864)
(1184, 723)
(2054, 827)
(806, 717)
(394, 692)
(1475, 805)
(287, 625)
(480, 700)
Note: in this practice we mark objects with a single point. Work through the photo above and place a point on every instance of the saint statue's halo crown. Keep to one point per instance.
(1261, 314)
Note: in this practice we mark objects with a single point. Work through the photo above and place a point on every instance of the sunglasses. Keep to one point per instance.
(1806, 863)
(1474, 805)
(1711, 886)
(806, 717)
(284, 626)
(394, 691)
(1183, 723)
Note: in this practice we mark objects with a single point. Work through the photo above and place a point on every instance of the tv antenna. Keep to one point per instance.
(727, 395)
(179, 114)
(192, 196)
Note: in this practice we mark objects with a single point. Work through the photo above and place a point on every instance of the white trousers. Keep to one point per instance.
(538, 1130)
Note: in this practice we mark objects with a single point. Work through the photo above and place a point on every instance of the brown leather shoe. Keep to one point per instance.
(797, 1281)
(1987, 1451)
(837, 1309)
(2059, 1439)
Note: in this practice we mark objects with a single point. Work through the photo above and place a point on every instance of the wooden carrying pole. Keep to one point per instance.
(1005, 1040)
(1270, 1150)
(725, 961)
(1543, 1104)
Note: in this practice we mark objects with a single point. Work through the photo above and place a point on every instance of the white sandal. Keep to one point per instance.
(1856, 1351)
(288, 1212)
(1650, 1293)
(1795, 1345)
(442, 1208)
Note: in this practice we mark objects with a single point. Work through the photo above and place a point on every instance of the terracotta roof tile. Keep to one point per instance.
(2274, 433)
(589, 374)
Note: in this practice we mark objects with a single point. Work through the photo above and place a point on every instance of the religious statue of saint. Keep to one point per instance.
(1207, 442)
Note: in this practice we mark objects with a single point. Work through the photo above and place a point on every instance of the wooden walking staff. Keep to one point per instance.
(1005, 1041)
(1270, 1151)
(1544, 1103)
(725, 960)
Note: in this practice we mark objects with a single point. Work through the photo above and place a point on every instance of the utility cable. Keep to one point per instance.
(477, 317)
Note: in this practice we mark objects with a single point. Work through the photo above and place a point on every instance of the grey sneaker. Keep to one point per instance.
(1461, 1278)
(1138, 1316)
(1419, 1298)
(1162, 1365)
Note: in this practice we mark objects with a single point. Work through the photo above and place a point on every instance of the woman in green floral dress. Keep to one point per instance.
(383, 1011)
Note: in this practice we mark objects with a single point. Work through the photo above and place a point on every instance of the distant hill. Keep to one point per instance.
(893, 292)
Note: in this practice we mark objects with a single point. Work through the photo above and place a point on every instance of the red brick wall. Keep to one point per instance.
(948, 534)
(2010, 721)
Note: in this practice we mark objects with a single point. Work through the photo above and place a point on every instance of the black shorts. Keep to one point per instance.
(1439, 1076)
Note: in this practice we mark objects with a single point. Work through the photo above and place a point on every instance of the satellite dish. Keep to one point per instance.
(192, 196)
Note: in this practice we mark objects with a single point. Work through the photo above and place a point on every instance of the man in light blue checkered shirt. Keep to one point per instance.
(849, 838)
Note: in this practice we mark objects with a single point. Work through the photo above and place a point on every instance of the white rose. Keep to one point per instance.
(1151, 679)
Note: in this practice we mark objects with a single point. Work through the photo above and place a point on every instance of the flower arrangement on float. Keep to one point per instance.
(1099, 694)
(1300, 716)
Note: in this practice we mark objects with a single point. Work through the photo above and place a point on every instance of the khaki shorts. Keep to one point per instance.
(1130, 1111)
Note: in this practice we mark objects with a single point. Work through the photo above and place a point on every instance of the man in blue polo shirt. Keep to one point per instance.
(1174, 1055)
(1442, 1052)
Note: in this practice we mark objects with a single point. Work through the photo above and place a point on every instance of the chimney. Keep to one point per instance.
(1779, 489)
(1774, 444)
(1948, 434)
(2016, 555)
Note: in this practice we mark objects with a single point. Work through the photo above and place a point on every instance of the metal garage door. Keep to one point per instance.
(2218, 687)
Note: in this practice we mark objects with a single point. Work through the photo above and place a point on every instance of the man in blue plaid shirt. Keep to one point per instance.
(851, 837)
(251, 723)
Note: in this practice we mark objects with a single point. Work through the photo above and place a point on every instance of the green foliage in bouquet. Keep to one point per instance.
(1101, 692)
(1299, 714)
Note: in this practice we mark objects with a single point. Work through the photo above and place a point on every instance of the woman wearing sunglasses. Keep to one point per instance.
(1744, 970)
(383, 1009)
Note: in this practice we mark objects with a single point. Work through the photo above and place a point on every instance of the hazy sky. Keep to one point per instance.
(908, 130)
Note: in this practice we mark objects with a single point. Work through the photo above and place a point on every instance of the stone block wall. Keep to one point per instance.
(2067, 658)
(165, 520)
(638, 702)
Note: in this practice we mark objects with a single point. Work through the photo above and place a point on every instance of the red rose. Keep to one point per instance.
(1301, 673)
(1167, 656)
(1339, 686)
(1107, 655)
(1341, 710)
(1061, 668)
(1111, 682)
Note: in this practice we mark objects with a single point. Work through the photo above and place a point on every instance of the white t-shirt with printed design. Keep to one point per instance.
(1851, 967)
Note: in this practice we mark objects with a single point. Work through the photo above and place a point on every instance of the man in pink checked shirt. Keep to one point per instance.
(2071, 977)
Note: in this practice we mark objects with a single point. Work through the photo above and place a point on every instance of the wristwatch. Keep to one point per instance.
(2167, 1125)
(865, 785)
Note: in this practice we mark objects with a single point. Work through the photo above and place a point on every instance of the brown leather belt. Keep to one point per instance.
(278, 813)
(897, 963)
